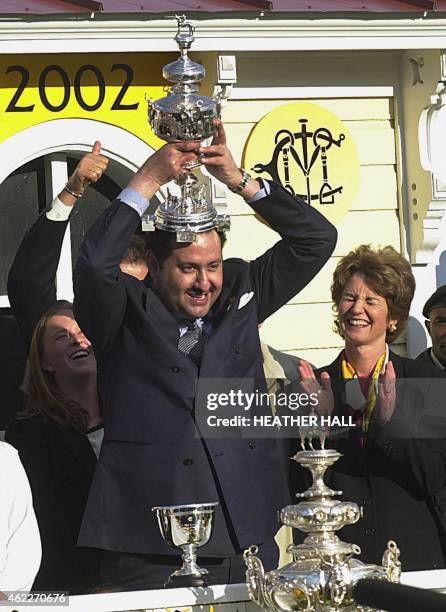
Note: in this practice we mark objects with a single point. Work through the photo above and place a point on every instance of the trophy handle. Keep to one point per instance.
(391, 562)
(255, 579)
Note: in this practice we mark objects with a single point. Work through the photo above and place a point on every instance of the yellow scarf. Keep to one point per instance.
(348, 372)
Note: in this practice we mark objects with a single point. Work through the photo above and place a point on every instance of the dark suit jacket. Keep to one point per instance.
(426, 357)
(151, 454)
(59, 463)
(399, 478)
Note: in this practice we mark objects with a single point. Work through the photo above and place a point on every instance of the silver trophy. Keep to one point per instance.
(184, 115)
(324, 570)
(188, 528)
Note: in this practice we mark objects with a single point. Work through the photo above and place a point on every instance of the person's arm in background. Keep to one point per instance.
(20, 550)
(31, 279)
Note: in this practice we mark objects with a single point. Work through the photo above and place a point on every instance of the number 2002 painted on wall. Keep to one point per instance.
(118, 104)
(110, 88)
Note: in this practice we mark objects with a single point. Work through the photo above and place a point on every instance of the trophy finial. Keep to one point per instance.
(185, 34)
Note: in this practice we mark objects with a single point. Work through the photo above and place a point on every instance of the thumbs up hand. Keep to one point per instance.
(89, 170)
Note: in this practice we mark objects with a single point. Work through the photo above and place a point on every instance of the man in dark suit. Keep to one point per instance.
(434, 311)
(151, 453)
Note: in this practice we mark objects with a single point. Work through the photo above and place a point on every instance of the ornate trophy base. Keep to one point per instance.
(324, 572)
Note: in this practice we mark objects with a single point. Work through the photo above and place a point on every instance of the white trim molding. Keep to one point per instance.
(255, 32)
(433, 232)
(59, 135)
(339, 91)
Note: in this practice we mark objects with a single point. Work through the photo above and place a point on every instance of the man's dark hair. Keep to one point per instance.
(137, 250)
(162, 243)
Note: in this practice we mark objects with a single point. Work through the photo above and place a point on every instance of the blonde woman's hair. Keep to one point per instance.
(42, 395)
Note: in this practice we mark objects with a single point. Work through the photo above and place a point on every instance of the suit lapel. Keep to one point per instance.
(157, 311)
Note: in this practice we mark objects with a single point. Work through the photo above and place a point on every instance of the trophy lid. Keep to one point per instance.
(184, 70)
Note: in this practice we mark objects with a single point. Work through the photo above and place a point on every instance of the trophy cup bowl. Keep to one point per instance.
(187, 527)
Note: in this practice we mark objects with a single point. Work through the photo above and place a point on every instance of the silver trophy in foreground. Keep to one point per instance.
(324, 570)
(185, 115)
(188, 527)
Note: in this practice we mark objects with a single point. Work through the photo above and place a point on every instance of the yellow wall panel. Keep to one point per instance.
(301, 326)
(249, 238)
(353, 109)
(377, 188)
(375, 141)
(319, 288)
(379, 227)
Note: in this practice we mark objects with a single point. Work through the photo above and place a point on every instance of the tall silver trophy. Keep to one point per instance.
(324, 570)
(185, 115)
(188, 528)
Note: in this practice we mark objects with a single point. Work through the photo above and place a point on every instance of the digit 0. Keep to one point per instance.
(54, 108)
(78, 91)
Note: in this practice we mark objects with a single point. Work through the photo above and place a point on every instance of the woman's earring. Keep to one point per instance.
(392, 327)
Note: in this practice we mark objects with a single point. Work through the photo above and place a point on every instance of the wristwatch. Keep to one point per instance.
(246, 177)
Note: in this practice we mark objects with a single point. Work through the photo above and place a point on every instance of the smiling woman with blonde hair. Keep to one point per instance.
(57, 436)
(397, 478)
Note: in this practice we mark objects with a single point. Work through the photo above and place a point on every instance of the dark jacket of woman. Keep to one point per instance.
(59, 462)
(399, 475)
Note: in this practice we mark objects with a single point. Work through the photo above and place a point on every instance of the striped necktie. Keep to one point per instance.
(191, 343)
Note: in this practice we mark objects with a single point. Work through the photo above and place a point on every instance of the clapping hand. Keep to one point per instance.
(387, 395)
(324, 393)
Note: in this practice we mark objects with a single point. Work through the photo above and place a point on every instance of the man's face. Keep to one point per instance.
(190, 280)
(436, 327)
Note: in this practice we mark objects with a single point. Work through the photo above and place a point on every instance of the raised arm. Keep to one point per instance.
(99, 288)
(308, 238)
(31, 279)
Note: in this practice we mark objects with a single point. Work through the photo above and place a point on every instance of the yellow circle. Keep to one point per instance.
(310, 152)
